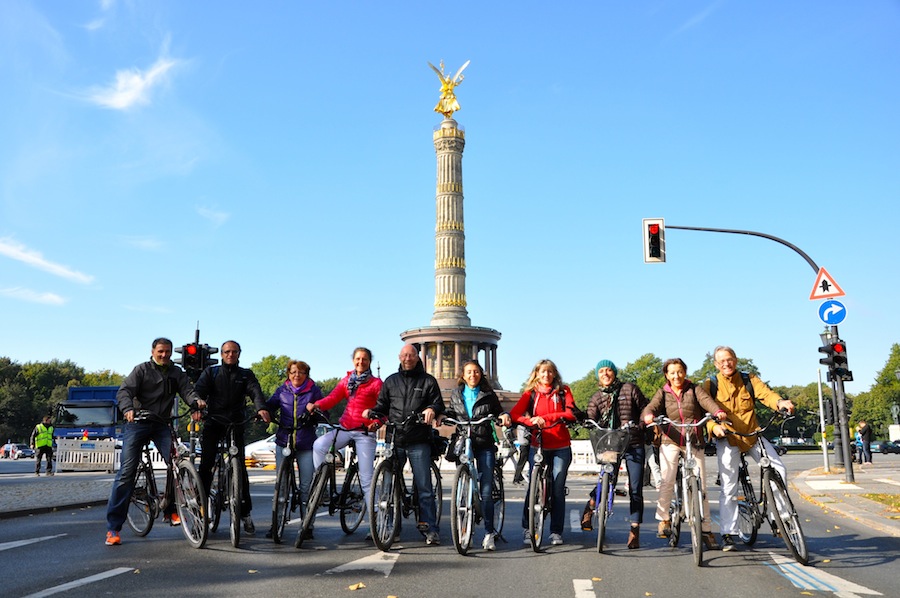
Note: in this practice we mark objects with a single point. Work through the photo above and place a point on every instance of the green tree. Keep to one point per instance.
(102, 378)
(646, 373)
(271, 371)
(874, 406)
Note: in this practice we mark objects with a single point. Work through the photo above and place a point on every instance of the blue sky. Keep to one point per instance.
(268, 170)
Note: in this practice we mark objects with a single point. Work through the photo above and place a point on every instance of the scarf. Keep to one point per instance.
(610, 396)
(357, 379)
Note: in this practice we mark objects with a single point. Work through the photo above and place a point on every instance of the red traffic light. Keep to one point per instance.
(839, 348)
(191, 349)
(654, 229)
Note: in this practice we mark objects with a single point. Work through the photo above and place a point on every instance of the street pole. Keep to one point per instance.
(822, 422)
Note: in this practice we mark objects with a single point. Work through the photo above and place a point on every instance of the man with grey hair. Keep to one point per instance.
(730, 389)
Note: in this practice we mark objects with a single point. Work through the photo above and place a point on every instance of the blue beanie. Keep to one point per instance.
(605, 363)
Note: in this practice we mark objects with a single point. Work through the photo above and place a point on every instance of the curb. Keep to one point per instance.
(51, 509)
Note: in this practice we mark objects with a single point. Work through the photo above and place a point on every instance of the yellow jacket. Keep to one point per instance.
(739, 406)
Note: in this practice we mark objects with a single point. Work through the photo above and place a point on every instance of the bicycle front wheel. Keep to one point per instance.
(676, 513)
(747, 523)
(353, 501)
(786, 518)
(498, 495)
(384, 505)
(283, 500)
(234, 501)
(190, 500)
(316, 493)
(692, 498)
(602, 511)
(462, 511)
(142, 508)
(538, 497)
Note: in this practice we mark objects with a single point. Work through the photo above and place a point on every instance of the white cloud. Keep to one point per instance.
(19, 252)
(217, 218)
(698, 18)
(33, 296)
(95, 25)
(133, 86)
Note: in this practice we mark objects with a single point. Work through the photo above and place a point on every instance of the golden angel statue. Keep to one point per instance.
(447, 105)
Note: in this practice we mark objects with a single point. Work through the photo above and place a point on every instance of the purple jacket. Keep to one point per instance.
(290, 405)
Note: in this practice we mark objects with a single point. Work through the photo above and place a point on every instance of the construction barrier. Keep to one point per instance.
(86, 455)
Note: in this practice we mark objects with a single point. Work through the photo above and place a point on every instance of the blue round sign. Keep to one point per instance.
(832, 312)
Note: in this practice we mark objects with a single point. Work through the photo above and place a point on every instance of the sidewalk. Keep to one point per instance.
(833, 494)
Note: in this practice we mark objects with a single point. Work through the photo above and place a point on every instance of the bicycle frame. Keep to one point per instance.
(540, 494)
(604, 492)
(229, 482)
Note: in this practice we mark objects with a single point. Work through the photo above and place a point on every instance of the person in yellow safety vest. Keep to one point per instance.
(42, 443)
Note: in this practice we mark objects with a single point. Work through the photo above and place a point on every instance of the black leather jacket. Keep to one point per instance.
(226, 388)
(486, 404)
(405, 393)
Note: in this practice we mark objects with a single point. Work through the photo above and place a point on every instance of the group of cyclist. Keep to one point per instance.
(411, 400)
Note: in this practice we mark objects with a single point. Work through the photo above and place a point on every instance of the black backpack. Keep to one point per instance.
(714, 386)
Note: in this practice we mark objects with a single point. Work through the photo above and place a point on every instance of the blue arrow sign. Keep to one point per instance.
(832, 312)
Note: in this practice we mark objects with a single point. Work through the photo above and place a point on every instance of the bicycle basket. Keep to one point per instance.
(609, 445)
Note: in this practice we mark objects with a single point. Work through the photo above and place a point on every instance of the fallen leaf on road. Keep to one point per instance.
(837, 527)
(827, 561)
(596, 579)
(357, 586)
(253, 571)
(136, 571)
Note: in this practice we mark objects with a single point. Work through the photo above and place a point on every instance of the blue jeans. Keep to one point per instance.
(134, 438)
(306, 471)
(484, 461)
(559, 461)
(419, 456)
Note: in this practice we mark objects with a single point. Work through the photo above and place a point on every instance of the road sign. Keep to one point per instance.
(825, 287)
(832, 312)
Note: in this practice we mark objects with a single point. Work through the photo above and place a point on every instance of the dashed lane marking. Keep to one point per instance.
(17, 543)
(810, 578)
(80, 582)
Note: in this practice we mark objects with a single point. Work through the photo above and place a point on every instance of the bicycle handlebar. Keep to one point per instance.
(662, 419)
(628, 425)
(471, 422)
(780, 414)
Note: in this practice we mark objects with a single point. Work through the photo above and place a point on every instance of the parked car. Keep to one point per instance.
(261, 452)
(16, 451)
(710, 449)
(890, 447)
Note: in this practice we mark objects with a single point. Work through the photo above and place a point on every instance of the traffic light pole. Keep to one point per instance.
(841, 427)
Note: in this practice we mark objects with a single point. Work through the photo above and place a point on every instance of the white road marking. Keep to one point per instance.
(810, 578)
(17, 543)
(831, 485)
(382, 562)
(584, 588)
(887, 481)
(80, 582)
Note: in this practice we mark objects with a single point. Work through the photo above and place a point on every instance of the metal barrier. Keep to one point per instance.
(86, 455)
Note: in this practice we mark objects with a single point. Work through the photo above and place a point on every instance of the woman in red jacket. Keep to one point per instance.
(546, 401)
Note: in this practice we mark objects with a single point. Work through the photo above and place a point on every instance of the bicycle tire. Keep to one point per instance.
(747, 523)
(352, 500)
(216, 495)
(190, 501)
(438, 492)
(498, 495)
(316, 491)
(602, 503)
(283, 499)
(462, 509)
(786, 518)
(693, 497)
(537, 506)
(142, 508)
(676, 513)
(384, 505)
(234, 500)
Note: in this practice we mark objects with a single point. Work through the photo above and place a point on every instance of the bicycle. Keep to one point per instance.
(609, 445)
(540, 492)
(390, 495)
(752, 512)
(286, 499)
(323, 491)
(190, 500)
(687, 502)
(466, 508)
(226, 487)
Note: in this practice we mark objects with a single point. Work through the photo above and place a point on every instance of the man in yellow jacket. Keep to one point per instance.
(42, 443)
(739, 404)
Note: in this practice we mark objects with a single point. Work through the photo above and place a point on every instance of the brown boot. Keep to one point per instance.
(664, 530)
(634, 537)
(587, 517)
(709, 541)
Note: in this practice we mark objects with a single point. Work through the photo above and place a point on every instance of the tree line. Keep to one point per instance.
(31, 390)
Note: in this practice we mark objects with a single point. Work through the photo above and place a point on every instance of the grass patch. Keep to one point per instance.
(891, 500)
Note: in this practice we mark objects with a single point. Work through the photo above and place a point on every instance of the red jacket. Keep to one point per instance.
(364, 398)
(552, 408)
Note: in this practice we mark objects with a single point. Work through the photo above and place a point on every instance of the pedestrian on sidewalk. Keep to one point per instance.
(865, 437)
(42, 443)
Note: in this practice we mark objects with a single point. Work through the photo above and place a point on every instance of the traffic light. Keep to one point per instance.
(836, 360)
(831, 349)
(828, 411)
(205, 352)
(190, 357)
(654, 231)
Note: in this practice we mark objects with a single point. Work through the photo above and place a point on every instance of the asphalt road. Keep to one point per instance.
(40, 554)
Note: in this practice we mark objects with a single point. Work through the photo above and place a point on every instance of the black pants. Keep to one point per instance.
(41, 451)
(212, 433)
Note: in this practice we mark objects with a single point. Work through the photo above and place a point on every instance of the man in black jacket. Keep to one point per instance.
(412, 390)
(225, 389)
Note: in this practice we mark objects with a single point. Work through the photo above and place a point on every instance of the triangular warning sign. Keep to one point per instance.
(825, 287)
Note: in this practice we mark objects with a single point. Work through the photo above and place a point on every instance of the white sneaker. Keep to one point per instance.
(527, 537)
(432, 538)
(488, 543)
(555, 539)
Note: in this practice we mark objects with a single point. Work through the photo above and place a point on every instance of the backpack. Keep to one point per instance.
(714, 386)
